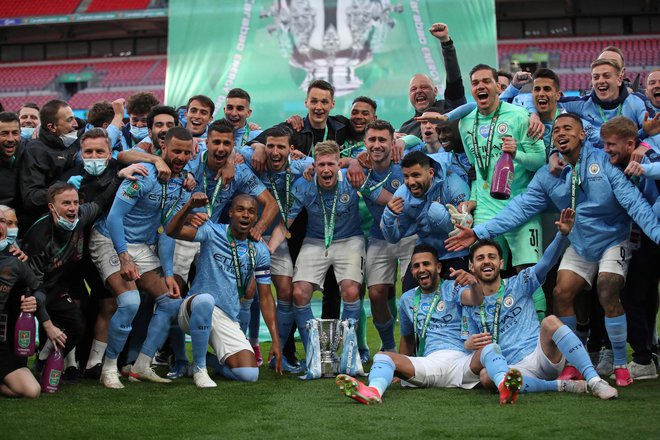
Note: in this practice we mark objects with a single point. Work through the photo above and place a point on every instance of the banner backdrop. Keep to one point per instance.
(274, 48)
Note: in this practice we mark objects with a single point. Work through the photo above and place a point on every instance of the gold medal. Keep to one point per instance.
(485, 185)
(287, 234)
(160, 229)
(326, 252)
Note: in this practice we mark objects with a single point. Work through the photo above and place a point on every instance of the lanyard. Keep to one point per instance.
(325, 137)
(366, 191)
(287, 198)
(350, 146)
(575, 183)
(496, 317)
(602, 113)
(216, 191)
(241, 284)
(246, 134)
(328, 223)
(165, 216)
(420, 338)
(481, 163)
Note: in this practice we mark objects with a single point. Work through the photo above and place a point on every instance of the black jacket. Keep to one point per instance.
(304, 140)
(9, 178)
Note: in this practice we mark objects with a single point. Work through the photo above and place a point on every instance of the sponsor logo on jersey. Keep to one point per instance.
(483, 131)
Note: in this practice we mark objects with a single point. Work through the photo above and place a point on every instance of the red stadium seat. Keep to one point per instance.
(117, 5)
(29, 8)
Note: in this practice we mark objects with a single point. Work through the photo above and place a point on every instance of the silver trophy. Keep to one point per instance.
(329, 40)
(330, 338)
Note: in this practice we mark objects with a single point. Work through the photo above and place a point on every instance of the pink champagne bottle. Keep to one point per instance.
(502, 177)
(24, 334)
(50, 378)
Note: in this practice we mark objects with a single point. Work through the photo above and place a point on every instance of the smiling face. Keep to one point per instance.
(327, 170)
(567, 136)
(418, 179)
(486, 264)
(426, 270)
(198, 116)
(177, 153)
(605, 81)
(277, 152)
(379, 145)
(618, 148)
(485, 91)
(319, 102)
(545, 95)
(65, 205)
(157, 132)
(361, 114)
(10, 136)
(65, 122)
(220, 146)
(237, 111)
(653, 88)
(29, 117)
(429, 133)
(422, 92)
(242, 214)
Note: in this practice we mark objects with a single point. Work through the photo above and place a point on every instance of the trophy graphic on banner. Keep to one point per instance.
(330, 39)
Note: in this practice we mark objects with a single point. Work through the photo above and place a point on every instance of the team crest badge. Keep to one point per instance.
(344, 198)
(594, 168)
(114, 260)
(396, 183)
(508, 301)
(502, 128)
(441, 306)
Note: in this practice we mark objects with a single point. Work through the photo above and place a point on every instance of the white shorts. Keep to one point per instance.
(537, 364)
(444, 369)
(614, 260)
(226, 337)
(346, 256)
(106, 259)
(280, 261)
(185, 254)
(382, 259)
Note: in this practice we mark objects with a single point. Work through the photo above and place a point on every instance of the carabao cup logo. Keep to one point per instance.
(54, 378)
(23, 338)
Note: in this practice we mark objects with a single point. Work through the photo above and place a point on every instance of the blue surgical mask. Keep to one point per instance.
(69, 138)
(3, 244)
(66, 224)
(95, 167)
(27, 132)
(12, 234)
(139, 133)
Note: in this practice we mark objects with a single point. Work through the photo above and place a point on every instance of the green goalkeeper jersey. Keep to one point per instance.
(530, 155)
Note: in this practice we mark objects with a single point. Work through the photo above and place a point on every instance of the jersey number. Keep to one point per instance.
(533, 237)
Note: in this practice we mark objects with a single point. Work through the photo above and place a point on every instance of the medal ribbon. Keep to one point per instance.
(325, 137)
(211, 205)
(365, 191)
(246, 134)
(420, 336)
(484, 164)
(329, 223)
(287, 195)
(496, 318)
(602, 113)
(575, 183)
(241, 284)
(165, 216)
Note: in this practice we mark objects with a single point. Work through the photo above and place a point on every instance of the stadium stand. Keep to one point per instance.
(15, 102)
(117, 5)
(32, 8)
(83, 100)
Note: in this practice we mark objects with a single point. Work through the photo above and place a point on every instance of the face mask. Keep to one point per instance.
(66, 224)
(139, 133)
(95, 167)
(26, 132)
(12, 234)
(69, 138)
(3, 244)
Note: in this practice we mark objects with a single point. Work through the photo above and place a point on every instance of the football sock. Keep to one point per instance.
(617, 332)
(495, 364)
(386, 332)
(570, 321)
(361, 330)
(534, 385)
(571, 347)
(96, 353)
(382, 373)
(120, 323)
(302, 315)
(285, 320)
(201, 315)
(351, 310)
(244, 314)
(255, 320)
(159, 326)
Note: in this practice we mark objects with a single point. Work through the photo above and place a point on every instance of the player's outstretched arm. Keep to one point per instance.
(176, 228)
(556, 248)
(472, 296)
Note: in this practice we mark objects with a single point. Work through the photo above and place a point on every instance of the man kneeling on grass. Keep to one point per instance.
(228, 261)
